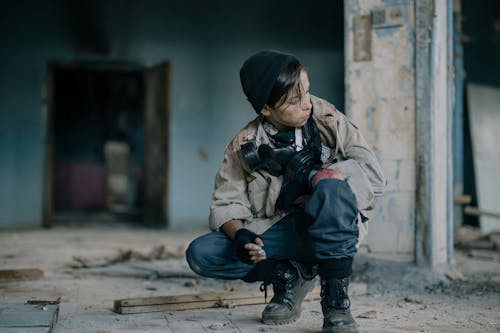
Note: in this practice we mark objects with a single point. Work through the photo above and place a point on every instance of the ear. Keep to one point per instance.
(266, 110)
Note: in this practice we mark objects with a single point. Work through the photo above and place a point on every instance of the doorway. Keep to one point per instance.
(106, 147)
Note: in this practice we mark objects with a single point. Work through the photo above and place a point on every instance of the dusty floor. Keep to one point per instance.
(404, 298)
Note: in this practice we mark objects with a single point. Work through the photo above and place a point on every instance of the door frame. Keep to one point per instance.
(48, 111)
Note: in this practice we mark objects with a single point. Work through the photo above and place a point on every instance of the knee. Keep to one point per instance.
(328, 185)
(335, 189)
(194, 256)
(207, 253)
(332, 205)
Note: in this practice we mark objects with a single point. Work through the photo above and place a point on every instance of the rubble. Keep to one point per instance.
(405, 297)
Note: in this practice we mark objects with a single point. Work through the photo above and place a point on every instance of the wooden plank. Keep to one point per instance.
(470, 210)
(44, 302)
(22, 274)
(219, 303)
(212, 296)
(190, 305)
(208, 300)
(462, 199)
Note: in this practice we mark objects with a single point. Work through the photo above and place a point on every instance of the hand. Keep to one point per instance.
(257, 254)
(249, 246)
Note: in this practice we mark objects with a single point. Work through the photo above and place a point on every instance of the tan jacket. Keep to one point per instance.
(251, 196)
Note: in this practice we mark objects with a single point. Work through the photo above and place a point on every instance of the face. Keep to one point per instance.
(295, 110)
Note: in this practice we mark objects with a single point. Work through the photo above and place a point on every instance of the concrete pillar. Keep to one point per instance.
(380, 99)
(434, 109)
(398, 91)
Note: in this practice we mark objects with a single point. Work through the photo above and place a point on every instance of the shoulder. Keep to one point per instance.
(323, 108)
(325, 113)
(246, 134)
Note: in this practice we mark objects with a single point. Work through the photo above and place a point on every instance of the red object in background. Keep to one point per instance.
(79, 186)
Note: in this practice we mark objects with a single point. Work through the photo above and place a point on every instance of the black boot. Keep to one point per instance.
(335, 304)
(290, 288)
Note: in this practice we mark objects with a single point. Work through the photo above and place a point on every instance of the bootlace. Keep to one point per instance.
(263, 287)
(283, 283)
(279, 285)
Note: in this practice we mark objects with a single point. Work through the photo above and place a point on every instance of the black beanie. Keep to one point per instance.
(259, 74)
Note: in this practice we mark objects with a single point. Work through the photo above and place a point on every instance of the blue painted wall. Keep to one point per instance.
(205, 41)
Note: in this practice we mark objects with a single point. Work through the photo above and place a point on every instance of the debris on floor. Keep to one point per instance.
(149, 271)
(372, 314)
(161, 262)
(160, 252)
(478, 245)
(20, 274)
(404, 296)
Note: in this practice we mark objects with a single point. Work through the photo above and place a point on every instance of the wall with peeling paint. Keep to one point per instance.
(380, 99)
(206, 43)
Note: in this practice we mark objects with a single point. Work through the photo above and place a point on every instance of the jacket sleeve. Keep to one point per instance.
(229, 199)
(358, 164)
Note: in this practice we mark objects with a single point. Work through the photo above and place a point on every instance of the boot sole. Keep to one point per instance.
(283, 321)
(342, 328)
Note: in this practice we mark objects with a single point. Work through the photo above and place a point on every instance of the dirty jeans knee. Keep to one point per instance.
(194, 258)
(213, 255)
(333, 209)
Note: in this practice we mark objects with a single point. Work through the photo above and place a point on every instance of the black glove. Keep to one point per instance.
(299, 166)
(297, 173)
(242, 237)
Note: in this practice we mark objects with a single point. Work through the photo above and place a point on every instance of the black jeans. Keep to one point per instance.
(325, 229)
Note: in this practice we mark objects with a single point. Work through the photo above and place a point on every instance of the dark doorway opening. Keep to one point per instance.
(106, 142)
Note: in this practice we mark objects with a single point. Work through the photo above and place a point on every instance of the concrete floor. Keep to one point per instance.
(405, 298)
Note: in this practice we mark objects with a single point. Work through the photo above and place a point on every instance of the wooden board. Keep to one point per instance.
(16, 317)
(208, 300)
(484, 115)
(9, 275)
